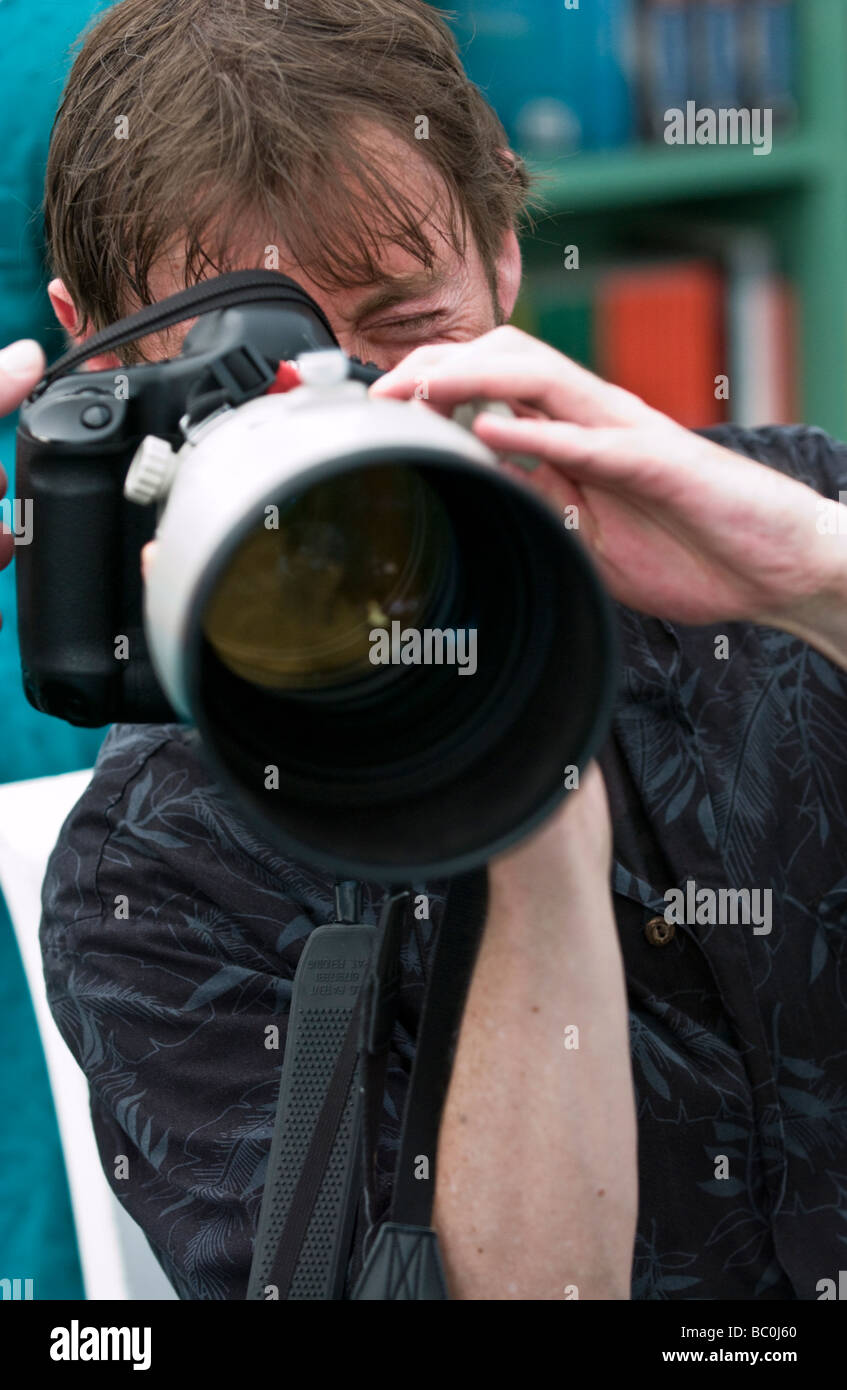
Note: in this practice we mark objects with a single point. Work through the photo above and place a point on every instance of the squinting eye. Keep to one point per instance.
(416, 321)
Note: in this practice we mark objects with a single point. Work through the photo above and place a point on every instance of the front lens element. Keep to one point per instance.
(294, 607)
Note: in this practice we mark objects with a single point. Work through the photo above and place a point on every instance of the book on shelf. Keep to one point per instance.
(660, 332)
(606, 73)
(560, 78)
(704, 332)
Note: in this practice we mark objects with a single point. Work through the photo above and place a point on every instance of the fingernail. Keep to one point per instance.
(22, 359)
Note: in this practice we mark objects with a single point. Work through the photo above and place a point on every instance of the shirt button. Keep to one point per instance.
(659, 932)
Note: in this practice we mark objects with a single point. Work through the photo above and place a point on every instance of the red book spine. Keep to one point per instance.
(661, 334)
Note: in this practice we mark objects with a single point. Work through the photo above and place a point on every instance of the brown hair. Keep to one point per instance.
(238, 108)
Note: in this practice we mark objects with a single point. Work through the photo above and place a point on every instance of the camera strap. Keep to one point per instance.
(403, 1261)
(343, 1005)
(330, 1102)
(223, 292)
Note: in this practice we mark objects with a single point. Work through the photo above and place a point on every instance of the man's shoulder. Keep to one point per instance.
(127, 748)
(135, 761)
(119, 814)
(154, 826)
(153, 810)
(804, 452)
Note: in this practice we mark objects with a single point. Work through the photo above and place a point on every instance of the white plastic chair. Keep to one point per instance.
(117, 1262)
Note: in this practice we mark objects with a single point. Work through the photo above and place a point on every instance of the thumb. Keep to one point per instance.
(22, 366)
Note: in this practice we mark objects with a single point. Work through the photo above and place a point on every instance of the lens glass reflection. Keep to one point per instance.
(294, 607)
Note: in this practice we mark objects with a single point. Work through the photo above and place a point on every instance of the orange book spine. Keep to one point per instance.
(660, 333)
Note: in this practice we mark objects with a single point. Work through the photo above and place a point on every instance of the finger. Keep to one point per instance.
(22, 366)
(519, 383)
(596, 455)
(562, 495)
(402, 379)
(454, 379)
(510, 365)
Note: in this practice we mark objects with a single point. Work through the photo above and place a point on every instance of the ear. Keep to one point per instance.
(508, 274)
(65, 311)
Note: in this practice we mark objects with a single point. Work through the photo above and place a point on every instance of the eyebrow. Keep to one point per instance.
(397, 289)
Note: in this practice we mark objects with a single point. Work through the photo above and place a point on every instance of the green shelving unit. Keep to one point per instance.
(798, 193)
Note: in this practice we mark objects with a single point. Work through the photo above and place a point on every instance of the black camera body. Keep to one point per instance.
(84, 652)
(329, 568)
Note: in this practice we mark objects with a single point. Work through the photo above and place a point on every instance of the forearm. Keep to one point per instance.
(818, 611)
(821, 620)
(536, 1185)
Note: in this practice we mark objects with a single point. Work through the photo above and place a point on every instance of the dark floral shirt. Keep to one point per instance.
(171, 935)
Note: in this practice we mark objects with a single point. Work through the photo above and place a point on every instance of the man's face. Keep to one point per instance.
(381, 322)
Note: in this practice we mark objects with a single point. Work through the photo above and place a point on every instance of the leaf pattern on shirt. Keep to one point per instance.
(733, 773)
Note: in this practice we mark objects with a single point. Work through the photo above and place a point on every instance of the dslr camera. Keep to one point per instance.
(396, 657)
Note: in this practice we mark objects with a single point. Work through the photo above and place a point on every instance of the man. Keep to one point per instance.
(251, 135)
